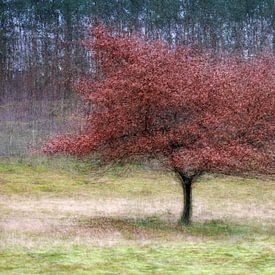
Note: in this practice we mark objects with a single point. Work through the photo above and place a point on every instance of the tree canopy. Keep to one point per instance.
(150, 99)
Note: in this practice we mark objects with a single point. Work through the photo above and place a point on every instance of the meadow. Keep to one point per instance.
(61, 216)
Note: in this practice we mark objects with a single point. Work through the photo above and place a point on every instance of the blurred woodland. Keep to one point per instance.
(41, 55)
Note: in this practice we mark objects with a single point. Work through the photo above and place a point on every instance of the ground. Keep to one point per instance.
(62, 216)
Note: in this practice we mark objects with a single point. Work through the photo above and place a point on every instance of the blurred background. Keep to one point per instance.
(41, 57)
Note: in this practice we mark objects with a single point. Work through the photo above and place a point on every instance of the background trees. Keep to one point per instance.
(40, 53)
(39, 39)
(195, 113)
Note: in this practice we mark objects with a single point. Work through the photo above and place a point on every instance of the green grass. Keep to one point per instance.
(69, 177)
(62, 216)
(207, 258)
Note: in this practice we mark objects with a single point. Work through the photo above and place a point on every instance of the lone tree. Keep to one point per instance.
(192, 112)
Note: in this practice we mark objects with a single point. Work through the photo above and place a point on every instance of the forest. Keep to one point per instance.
(41, 55)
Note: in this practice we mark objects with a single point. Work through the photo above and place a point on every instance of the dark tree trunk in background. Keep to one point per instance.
(186, 183)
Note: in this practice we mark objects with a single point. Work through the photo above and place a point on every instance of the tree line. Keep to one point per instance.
(40, 53)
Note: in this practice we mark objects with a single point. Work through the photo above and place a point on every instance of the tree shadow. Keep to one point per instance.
(155, 227)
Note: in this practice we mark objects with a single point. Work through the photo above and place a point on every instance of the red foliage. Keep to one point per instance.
(199, 115)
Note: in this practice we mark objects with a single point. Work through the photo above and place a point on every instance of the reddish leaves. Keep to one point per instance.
(199, 115)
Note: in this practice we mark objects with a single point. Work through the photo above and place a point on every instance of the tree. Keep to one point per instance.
(195, 114)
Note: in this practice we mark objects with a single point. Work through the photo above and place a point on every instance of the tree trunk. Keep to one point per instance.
(186, 182)
(187, 211)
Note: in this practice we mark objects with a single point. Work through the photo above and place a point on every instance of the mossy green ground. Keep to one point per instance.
(61, 216)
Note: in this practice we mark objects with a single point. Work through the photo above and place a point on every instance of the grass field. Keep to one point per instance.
(61, 216)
